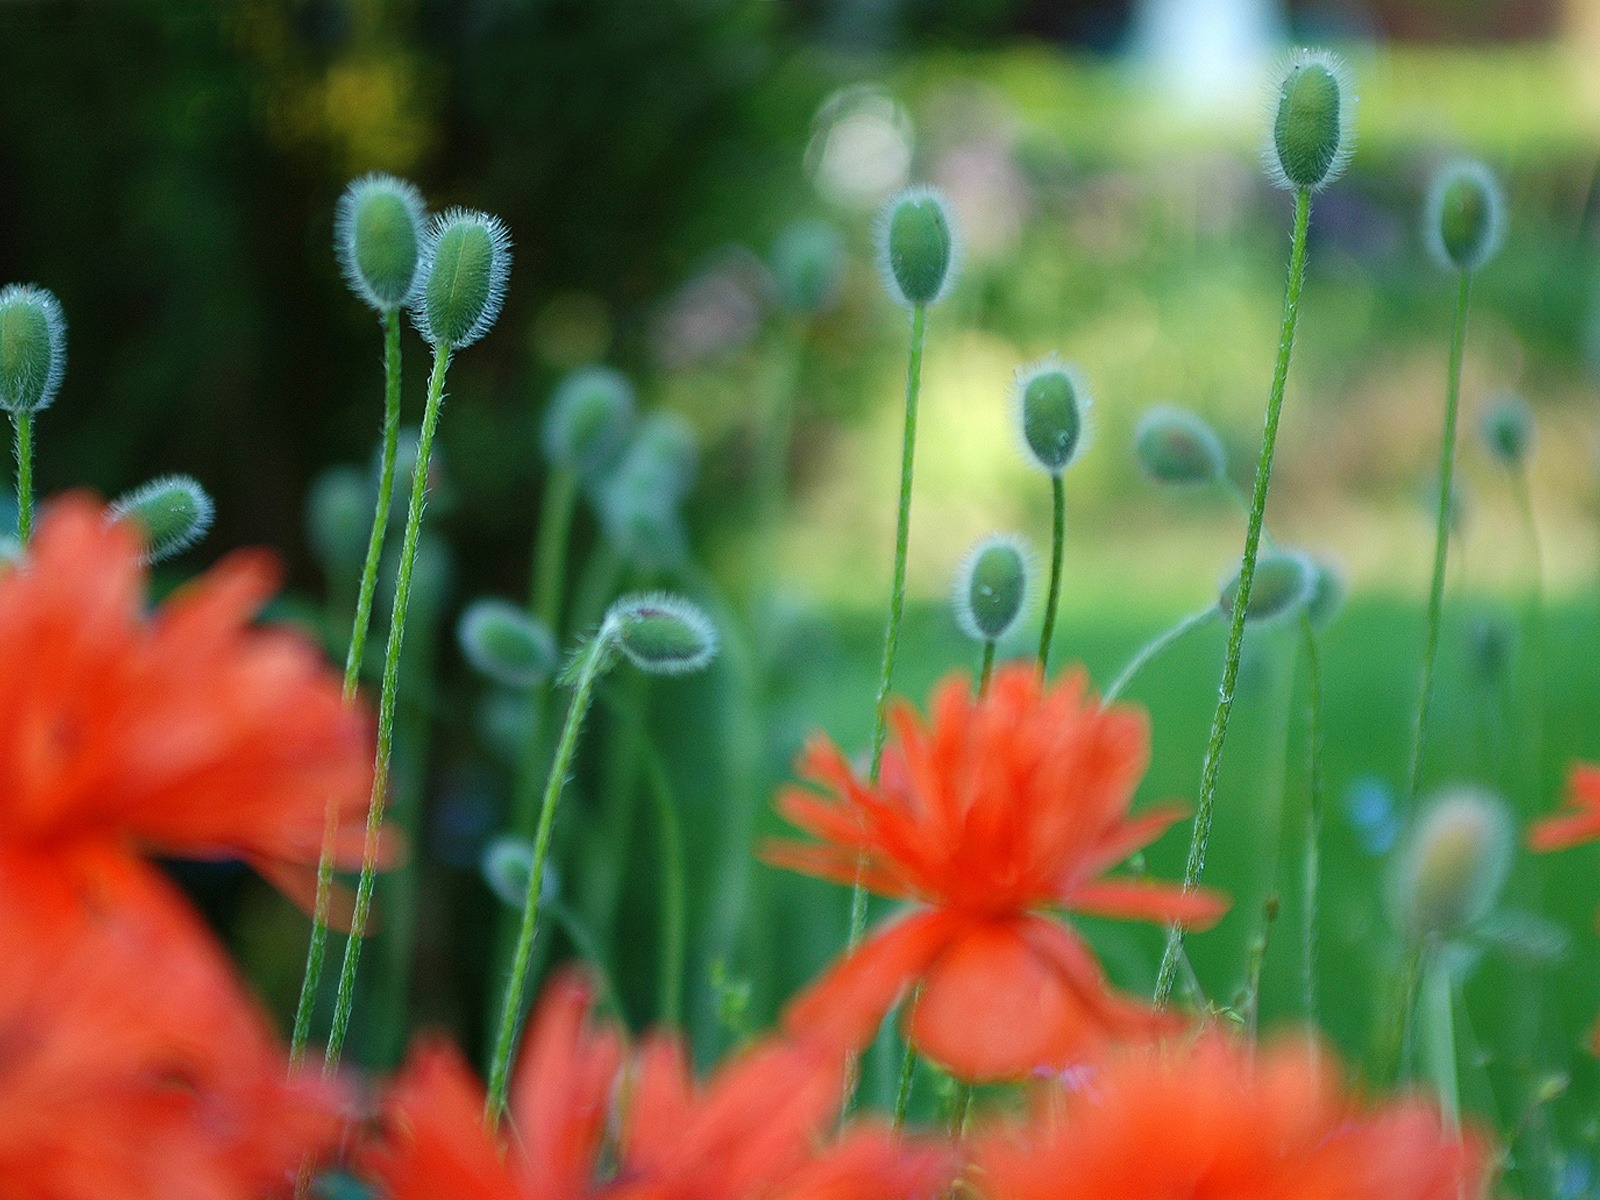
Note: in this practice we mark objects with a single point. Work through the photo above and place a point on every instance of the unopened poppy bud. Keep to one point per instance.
(1464, 215)
(1326, 594)
(1508, 431)
(338, 519)
(808, 267)
(466, 261)
(1312, 122)
(377, 238)
(1280, 588)
(33, 348)
(917, 246)
(506, 644)
(992, 587)
(663, 457)
(507, 863)
(661, 634)
(1052, 409)
(1491, 646)
(172, 513)
(1450, 872)
(589, 419)
(1173, 446)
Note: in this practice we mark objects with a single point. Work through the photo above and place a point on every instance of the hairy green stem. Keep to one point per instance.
(1310, 879)
(22, 426)
(986, 671)
(1230, 669)
(344, 1002)
(1156, 647)
(1441, 1038)
(1058, 537)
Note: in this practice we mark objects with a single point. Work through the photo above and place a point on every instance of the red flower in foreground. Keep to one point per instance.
(1218, 1118)
(131, 1064)
(1579, 820)
(188, 733)
(999, 811)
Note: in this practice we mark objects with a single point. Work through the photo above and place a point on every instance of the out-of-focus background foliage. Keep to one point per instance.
(170, 171)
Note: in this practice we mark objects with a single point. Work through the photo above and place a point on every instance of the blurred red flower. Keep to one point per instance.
(998, 811)
(1578, 820)
(1215, 1116)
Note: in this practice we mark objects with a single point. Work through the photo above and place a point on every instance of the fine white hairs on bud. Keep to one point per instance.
(992, 587)
(918, 248)
(661, 634)
(1464, 218)
(1507, 430)
(1449, 873)
(1280, 588)
(33, 347)
(1052, 412)
(466, 260)
(589, 419)
(1175, 447)
(506, 644)
(1312, 131)
(378, 227)
(171, 513)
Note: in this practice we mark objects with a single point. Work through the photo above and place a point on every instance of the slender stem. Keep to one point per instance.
(1313, 853)
(1256, 960)
(1156, 647)
(1441, 1035)
(1058, 536)
(597, 656)
(1441, 541)
(1252, 542)
(1536, 656)
(316, 952)
(986, 672)
(22, 424)
(674, 922)
(344, 1002)
(1392, 1052)
(958, 1113)
(550, 553)
(902, 1093)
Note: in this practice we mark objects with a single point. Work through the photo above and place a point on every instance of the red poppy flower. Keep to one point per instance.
(1218, 1118)
(188, 732)
(131, 1064)
(999, 811)
(1579, 820)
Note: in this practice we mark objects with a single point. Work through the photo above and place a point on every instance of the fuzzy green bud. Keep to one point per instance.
(1450, 872)
(505, 644)
(808, 267)
(1175, 447)
(661, 634)
(589, 419)
(1052, 409)
(171, 513)
(1312, 122)
(917, 247)
(507, 863)
(1464, 216)
(1280, 588)
(339, 518)
(1326, 594)
(466, 262)
(33, 348)
(1507, 430)
(377, 238)
(992, 587)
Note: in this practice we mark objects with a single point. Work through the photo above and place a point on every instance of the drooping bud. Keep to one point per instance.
(377, 238)
(465, 264)
(917, 247)
(589, 419)
(338, 519)
(661, 634)
(1464, 216)
(808, 267)
(506, 644)
(1452, 867)
(1052, 407)
(33, 348)
(1508, 431)
(1279, 589)
(1313, 122)
(992, 587)
(507, 863)
(172, 513)
(1175, 447)
(1327, 592)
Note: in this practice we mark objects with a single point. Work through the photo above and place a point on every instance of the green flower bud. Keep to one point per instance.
(808, 267)
(1465, 216)
(338, 519)
(1327, 592)
(1449, 873)
(1279, 589)
(1507, 430)
(1312, 122)
(506, 644)
(172, 513)
(1491, 647)
(33, 348)
(377, 238)
(589, 419)
(992, 586)
(507, 863)
(1052, 409)
(1175, 447)
(917, 247)
(661, 634)
(466, 261)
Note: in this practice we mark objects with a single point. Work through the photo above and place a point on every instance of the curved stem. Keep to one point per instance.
(1313, 853)
(22, 425)
(1441, 542)
(316, 952)
(1252, 542)
(1058, 535)
(550, 552)
(597, 656)
(344, 1002)
(1155, 648)
(986, 672)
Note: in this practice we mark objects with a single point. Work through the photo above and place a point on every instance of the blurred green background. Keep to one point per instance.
(170, 170)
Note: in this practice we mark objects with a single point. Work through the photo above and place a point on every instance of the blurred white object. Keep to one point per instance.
(1206, 54)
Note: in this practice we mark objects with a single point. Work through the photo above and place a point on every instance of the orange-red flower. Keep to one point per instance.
(1218, 1118)
(131, 1063)
(1579, 820)
(999, 811)
(187, 732)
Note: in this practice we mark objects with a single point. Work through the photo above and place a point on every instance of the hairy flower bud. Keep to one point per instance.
(172, 513)
(33, 348)
(992, 586)
(1452, 867)
(917, 246)
(338, 519)
(661, 634)
(1508, 431)
(505, 644)
(1052, 408)
(1280, 588)
(377, 238)
(465, 264)
(590, 417)
(1464, 217)
(1175, 447)
(1312, 122)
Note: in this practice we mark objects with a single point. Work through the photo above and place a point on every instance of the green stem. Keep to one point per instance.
(1256, 960)
(1441, 1037)
(986, 672)
(1535, 622)
(550, 552)
(22, 424)
(596, 658)
(1058, 537)
(1313, 853)
(1441, 542)
(316, 952)
(958, 1113)
(1252, 542)
(902, 1093)
(1156, 647)
(344, 1002)
(1392, 1052)
(674, 917)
